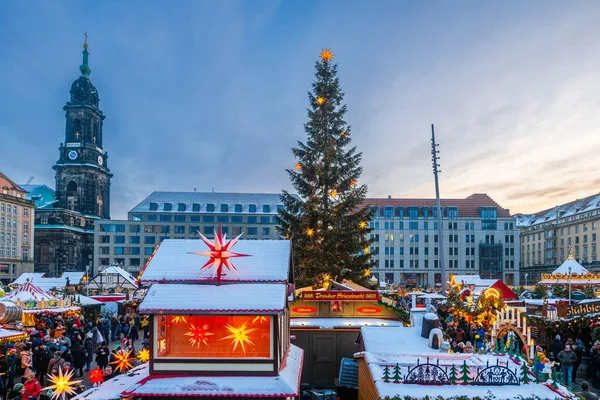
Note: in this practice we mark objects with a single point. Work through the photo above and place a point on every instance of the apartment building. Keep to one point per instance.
(479, 237)
(181, 215)
(546, 237)
(16, 230)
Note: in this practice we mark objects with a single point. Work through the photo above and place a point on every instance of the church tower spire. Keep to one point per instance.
(85, 68)
(82, 173)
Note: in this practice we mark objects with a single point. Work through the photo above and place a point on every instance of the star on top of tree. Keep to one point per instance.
(326, 55)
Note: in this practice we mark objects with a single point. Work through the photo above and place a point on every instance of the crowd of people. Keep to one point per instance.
(463, 336)
(68, 344)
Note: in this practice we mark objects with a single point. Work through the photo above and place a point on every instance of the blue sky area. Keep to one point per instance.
(207, 95)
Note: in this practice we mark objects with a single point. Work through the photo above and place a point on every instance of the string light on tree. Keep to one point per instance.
(366, 250)
(343, 133)
(367, 273)
(63, 385)
(352, 183)
(362, 225)
(320, 100)
(297, 167)
(310, 231)
(334, 193)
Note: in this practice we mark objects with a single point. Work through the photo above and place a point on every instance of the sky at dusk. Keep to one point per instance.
(213, 95)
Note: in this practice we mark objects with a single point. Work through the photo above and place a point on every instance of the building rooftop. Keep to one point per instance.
(468, 207)
(579, 206)
(202, 199)
(41, 195)
(47, 284)
(10, 184)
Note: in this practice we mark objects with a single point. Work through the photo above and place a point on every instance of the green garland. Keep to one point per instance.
(402, 313)
(562, 324)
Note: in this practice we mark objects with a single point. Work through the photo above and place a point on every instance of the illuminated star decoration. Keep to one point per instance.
(144, 355)
(298, 166)
(343, 133)
(144, 322)
(122, 361)
(260, 319)
(310, 231)
(334, 193)
(62, 385)
(198, 335)
(320, 100)
(239, 335)
(219, 254)
(366, 250)
(179, 319)
(362, 225)
(367, 273)
(326, 55)
(96, 376)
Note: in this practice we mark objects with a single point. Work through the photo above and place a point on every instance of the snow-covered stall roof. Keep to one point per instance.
(268, 261)
(570, 266)
(113, 388)
(46, 284)
(329, 323)
(10, 333)
(286, 384)
(391, 346)
(112, 277)
(86, 301)
(28, 291)
(226, 298)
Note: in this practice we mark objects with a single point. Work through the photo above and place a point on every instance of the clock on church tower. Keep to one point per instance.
(82, 173)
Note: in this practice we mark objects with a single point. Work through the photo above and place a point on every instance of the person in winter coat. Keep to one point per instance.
(133, 331)
(42, 358)
(102, 356)
(557, 346)
(33, 387)
(55, 361)
(114, 322)
(78, 354)
(17, 392)
(468, 348)
(90, 348)
(567, 359)
(26, 361)
(586, 393)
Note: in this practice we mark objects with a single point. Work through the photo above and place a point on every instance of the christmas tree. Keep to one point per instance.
(465, 373)
(525, 379)
(386, 374)
(453, 374)
(397, 378)
(327, 221)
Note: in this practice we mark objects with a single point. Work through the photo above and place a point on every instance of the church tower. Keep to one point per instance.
(82, 174)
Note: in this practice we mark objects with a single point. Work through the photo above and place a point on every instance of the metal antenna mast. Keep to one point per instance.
(434, 160)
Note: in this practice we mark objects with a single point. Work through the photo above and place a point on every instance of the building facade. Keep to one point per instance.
(16, 230)
(479, 237)
(181, 215)
(547, 236)
(65, 225)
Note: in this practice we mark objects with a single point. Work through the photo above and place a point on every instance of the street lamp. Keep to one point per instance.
(526, 275)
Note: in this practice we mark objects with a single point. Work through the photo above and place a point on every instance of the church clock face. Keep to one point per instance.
(100, 160)
(73, 155)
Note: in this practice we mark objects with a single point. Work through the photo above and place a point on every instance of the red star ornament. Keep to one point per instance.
(220, 253)
(96, 376)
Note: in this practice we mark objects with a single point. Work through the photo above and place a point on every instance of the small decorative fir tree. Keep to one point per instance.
(327, 220)
(540, 292)
(397, 377)
(464, 369)
(453, 374)
(526, 378)
(386, 374)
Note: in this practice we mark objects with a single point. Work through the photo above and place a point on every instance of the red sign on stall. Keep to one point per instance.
(304, 310)
(369, 310)
(331, 295)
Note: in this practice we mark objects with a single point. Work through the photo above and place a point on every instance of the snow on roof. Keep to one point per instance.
(86, 301)
(8, 333)
(286, 384)
(269, 261)
(394, 340)
(571, 209)
(473, 280)
(28, 291)
(47, 284)
(100, 279)
(237, 298)
(113, 388)
(329, 323)
(573, 265)
(50, 310)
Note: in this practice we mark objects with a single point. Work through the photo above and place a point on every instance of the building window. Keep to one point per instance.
(152, 218)
(180, 229)
(266, 231)
(180, 218)
(252, 220)
(238, 208)
(195, 207)
(167, 207)
(25, 254)
(134, 240)
(266, 208)
(208, 230)
(120, 239)
(25, 212)
(413, 213)
(134, 228)
(252, 231)
(210, 207)
(452, 212)
(237, 219)
(165, 217)
(164, 229)
(264, 220)
(25, 239)
(252, 208)
(26, 226)
(194, 218)
(153, 206)
(224, 219)
(224, 208)
(194, 230)
(208, 218)
(148, 251)
(181, 207)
